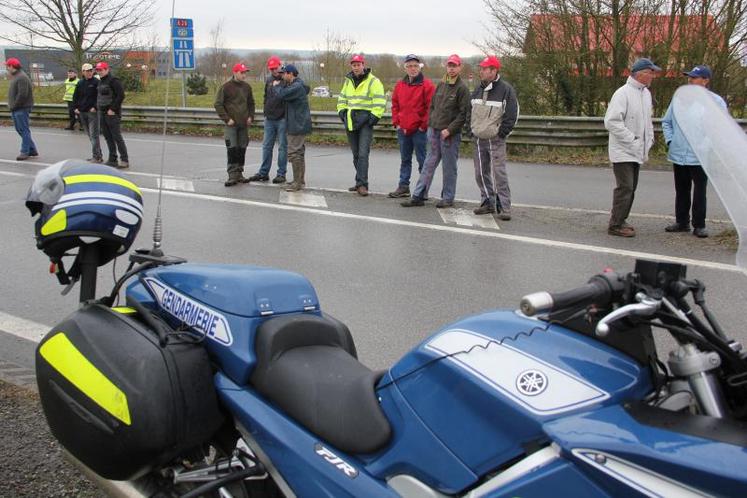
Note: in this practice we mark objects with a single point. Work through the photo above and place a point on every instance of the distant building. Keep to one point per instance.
(43, 64)
(646, 35)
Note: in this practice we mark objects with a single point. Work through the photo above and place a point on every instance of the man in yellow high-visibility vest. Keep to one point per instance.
(360, 106)
(70, 83)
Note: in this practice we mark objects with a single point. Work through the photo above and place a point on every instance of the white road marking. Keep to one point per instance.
(10, 173)
(20, 327)
(176, 184)
(464, 231)
(466, 218)
(309, 199)
(345, 191)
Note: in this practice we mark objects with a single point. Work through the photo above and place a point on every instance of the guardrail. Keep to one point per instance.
(552, 131)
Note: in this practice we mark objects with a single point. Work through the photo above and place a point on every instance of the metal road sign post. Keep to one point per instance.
(182, 50)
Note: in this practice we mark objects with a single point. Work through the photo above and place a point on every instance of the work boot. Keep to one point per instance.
(362, 191)
(233, 179)
(621, 231)
(123, 165)
(504, 215)
(401, 191)
(354, 188)
(413, 202)
(33, 154)
(112, 162)
(22, 157)
(294, 187)
(700, 232)
(443, 203)
(278, 179)
(259, 178)
(96, 160)
(677, 227)
(486, 208)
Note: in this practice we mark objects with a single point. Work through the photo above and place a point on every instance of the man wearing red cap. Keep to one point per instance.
(448, 113)
(360, 106)
(20, 102)
(494, 112)
(111, 94)
(274, 127)
(234, 103)
(411, 101)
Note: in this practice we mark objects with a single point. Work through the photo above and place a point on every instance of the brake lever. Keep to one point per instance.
(646, 306)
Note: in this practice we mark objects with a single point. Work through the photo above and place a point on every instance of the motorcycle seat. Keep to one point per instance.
(308, 367)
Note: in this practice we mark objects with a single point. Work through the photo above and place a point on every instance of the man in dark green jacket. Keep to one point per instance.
(448, 113)
(234, 103)
(295, 93)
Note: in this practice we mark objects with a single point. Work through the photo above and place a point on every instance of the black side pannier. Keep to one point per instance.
(117, 400)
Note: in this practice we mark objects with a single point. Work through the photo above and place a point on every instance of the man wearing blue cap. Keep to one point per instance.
(294, 94)
(688, 173)
(631, 129)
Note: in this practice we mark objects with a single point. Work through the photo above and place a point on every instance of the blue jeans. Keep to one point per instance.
(21, 122)
(360, 144)
(439, 149)
(274, 128)
(408, 143)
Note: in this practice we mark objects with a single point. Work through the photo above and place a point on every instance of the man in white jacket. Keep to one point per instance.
(628, 120)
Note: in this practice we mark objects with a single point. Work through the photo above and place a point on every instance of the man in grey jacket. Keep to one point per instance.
(495, 110)
(20, 102)
(628, 120)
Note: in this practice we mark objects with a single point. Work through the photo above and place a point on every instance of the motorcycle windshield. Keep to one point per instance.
(721, 146)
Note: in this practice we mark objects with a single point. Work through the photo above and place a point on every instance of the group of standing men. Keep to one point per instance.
(287, 120)
(429, 120)
(631, 136)
(94, 101)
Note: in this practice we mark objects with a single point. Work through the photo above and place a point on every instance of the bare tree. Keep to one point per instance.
(217, 62)
(333, 55)
(80, 26)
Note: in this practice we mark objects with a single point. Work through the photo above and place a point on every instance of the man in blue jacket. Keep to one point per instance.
(295, 94)
(688, 173)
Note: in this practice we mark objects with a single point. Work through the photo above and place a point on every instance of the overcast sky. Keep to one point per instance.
(433, 27)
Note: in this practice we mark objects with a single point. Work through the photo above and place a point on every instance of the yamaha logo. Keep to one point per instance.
(531, 382)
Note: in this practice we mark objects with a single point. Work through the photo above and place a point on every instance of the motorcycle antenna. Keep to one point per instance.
(158, 224)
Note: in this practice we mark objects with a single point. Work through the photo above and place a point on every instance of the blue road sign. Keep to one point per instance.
(182, 36)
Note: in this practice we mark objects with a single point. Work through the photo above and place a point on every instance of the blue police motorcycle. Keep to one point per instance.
(230, 381)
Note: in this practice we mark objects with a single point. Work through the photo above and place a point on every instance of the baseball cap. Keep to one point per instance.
(101, 65)
(357, 58)
(454, 59)
(491, 61)
(289, 68)
(643, 63)
(239, 67)
(274, 62)
(700, 71)
(13, 62)
(411, 57)
(86, 67)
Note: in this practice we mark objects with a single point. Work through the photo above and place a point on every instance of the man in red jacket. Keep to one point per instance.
(411, 101)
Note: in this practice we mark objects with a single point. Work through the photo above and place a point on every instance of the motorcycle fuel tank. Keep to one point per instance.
(485, 385)
(225, 303)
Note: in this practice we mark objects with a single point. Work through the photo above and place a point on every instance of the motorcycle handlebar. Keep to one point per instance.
(601, 289)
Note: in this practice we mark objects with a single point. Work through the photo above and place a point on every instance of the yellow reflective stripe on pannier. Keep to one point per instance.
(124, 310)
(57, 223)
(64, 357)
(70, 180)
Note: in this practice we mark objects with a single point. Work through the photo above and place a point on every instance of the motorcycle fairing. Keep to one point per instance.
(703, 466)
(464, 384)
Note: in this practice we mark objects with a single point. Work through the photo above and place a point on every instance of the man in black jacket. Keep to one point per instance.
(84, 103)
(109, 104)
(274, 128)
(494, 112)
